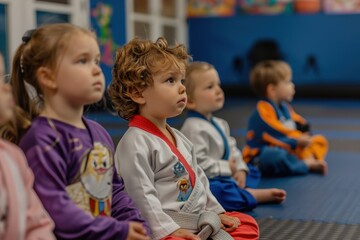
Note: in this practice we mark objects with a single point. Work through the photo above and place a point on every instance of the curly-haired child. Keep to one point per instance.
(156, 161)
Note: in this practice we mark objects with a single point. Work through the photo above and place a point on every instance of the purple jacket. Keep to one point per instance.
(76, 180)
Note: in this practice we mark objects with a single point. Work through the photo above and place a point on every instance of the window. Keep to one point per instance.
(3, 34)
(17, 16)
(43, 17)
(150, 19)
(55, 1)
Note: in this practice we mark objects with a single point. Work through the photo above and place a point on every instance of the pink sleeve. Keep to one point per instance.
(38, 223)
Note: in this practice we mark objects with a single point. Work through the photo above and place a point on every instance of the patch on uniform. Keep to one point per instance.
(185, 189)
(179, 170)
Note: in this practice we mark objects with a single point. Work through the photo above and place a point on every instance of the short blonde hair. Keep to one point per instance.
(190, 80)
(268, 72)
(136, 63)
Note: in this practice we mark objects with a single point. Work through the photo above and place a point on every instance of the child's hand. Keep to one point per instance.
(304, 140)
(240, 178)
(232, 165)
(137, 232)
(183, 233)
(229, 223)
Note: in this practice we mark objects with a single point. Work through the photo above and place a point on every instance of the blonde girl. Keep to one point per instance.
(71, 156)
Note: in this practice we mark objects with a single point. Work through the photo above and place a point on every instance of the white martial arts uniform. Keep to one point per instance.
(214, 146)
(209, 146)
(158, 182)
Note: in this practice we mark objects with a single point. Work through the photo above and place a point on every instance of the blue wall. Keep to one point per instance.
(333, 39)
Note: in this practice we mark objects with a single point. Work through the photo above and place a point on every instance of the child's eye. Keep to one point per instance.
(183, 81)
(97, 61)
(82, 60)
(210, 86)
(170, 80)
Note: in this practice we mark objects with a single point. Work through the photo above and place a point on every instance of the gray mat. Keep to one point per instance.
(272, 229)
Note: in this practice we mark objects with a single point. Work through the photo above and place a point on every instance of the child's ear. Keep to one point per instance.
(46, 77)
(190, 104)
(136, 96)
(270, 89)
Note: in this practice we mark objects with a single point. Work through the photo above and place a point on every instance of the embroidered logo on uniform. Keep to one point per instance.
(179, 170)
(185, 189)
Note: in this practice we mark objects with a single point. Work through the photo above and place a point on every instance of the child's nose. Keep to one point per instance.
(97, 70)
(182, 89)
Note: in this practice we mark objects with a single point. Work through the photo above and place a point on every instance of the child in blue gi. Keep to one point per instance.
(231, 181)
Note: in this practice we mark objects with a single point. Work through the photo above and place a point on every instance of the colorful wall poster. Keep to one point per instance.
(206, 8)
(267, 7)
(341, 6)
(108, 21)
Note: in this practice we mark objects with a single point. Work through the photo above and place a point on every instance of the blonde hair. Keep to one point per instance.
(136, 63)
(268, 72)
(41, 47)
(190, 80)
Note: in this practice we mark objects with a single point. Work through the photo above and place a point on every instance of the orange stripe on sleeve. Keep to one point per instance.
(273, 141)
(268, 115)
(248, 153)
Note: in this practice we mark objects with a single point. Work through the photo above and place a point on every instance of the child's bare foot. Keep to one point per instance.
(316, 165)
(268, 195)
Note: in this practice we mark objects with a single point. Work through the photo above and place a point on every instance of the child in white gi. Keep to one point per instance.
(232, 182)
(156, 161)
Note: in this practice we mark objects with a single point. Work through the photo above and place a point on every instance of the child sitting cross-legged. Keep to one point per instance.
(278, 139)
(157, 162)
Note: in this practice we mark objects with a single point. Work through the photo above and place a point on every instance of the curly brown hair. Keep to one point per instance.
(268, 72)
(136, 63)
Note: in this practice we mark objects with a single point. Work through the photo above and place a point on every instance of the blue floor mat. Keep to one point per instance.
(331, 198)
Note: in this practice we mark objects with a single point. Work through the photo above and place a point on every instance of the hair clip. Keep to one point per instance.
(22, 63)
(27, 35)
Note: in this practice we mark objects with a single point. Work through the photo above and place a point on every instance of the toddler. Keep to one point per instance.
(156, 161)
(278, 139)
(70, 155)
(232, 181)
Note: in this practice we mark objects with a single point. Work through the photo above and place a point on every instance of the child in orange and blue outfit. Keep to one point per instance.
(278, 139)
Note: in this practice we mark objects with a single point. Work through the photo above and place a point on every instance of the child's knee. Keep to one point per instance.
(273, 155)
